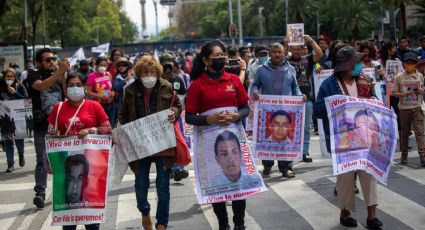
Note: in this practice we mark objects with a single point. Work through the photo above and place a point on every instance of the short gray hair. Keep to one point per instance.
(276, 45)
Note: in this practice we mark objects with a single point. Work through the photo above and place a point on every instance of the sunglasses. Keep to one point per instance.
(50, 59)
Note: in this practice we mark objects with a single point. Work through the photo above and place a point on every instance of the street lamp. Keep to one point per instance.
(260, 9)
(395, 25)
(156, 20)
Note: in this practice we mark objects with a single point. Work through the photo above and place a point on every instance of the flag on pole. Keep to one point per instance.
(77, 56)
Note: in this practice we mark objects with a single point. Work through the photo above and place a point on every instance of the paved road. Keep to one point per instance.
(304, 202)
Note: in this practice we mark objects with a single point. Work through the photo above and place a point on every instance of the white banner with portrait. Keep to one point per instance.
(279, 127)
(224, 167)
(319, 77)
(363, 135)
(16, 119)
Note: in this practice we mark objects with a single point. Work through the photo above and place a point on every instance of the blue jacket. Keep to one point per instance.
(329, 87)
(263, 80)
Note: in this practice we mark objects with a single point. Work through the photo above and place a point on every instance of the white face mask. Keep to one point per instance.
(149, 81)
(75, 93)
(101, 69)
(9, 82)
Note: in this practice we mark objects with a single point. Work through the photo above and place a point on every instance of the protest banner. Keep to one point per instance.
(392, 68)
(13, 53)
(16, 119)
(249, 121)
(363, 135)
(279, 127)
(224, 167)
(80, 178)
(102, 48)
(412, 87)
(145, 136)
(318, 78)
(295, 33)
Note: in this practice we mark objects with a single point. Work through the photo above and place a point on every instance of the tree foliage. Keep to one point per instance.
(345, 19)
(66, 22)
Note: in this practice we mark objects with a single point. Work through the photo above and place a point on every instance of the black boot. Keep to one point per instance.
(10, 167)
(21, 159)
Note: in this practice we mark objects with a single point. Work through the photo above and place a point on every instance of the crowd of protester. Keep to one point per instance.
(120, 89)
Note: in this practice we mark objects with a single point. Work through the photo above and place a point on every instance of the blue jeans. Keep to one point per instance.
(111, 110)
(162, 189)
(307, 126)
(40, 173)
(10, 150)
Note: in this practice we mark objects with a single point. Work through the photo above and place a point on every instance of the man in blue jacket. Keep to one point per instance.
(276, 77)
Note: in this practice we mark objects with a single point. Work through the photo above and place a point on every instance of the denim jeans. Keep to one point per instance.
(10, 150)
(112, 111)
(307, 126)
(176, 168)
(41, 156)
(162, 189)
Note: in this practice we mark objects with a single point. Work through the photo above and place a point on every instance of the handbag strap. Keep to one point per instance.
(344, 87)
(172, 98)
(57, 115)
(73, 118)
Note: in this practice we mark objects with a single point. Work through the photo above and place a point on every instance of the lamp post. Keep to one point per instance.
(260, 9)
(240, 23)
(231, 18)
(142, 3)
(156, 20)
(395, 24)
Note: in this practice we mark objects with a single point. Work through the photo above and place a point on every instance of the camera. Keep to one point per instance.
(234, 62)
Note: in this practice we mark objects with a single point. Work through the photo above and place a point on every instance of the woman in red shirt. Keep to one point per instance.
(213, 88)
(77, 116)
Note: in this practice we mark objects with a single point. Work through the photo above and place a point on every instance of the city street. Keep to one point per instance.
(304, 202)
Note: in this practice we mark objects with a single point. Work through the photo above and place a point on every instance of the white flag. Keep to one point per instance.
(100, 48)
(77, 56)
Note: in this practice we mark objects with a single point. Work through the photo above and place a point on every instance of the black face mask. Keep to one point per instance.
(218, 64)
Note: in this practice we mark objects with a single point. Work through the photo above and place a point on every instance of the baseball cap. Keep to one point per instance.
(410, 56)
(346, 58)
(166, 59)
(260, 49)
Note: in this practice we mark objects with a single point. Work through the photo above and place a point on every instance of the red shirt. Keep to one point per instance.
(90, 115)
(205, 93)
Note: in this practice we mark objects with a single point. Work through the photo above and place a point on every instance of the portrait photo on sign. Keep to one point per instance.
(280, 126)
(363, 130)
(224, 164)
(79, 179)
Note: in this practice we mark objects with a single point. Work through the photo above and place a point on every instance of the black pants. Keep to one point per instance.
(238, 207)
(394, 105)
(88, 227)
(284, 166)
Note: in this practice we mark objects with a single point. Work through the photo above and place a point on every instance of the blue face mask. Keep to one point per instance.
(357, 69)
(263, 59)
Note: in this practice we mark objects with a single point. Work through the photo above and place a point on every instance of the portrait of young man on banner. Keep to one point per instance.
(280, 127)
(76, 178)
(233, 175)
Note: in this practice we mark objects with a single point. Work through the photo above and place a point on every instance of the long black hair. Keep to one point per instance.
(383, 52)
(198, 65)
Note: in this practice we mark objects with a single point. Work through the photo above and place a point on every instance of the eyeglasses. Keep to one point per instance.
(50, 59)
